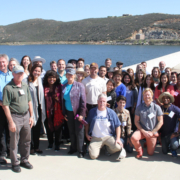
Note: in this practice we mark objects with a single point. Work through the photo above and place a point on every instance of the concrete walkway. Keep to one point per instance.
(58, 165)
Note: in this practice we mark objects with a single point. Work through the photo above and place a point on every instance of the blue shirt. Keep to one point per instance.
(66, 97)
(5, 78)
(63, 78)
(112, 118)
(121, 90)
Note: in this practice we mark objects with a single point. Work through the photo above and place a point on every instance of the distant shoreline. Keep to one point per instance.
(126, 42)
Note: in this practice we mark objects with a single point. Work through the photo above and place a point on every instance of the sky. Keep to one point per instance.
(12, 11)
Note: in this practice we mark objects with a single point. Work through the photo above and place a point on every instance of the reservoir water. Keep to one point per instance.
(91, 53)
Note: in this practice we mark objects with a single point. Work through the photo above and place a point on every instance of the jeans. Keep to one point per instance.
(169, 144)
(127, 147)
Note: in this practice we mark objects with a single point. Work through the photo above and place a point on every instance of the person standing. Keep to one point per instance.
(18, 108)
(169, 130)
(39, 113)
(119, 64)
(94, 86)
(148, 120)
(53, 66)
(27, 65)
(162, 66)
(55, 118)
(74, 110)
(103, 72)
(5, 78)
(108, 63)
(80, 63)
(12, 63)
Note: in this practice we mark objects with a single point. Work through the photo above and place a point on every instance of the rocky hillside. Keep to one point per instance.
(153, 26)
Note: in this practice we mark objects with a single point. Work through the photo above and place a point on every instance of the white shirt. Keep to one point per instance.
(93, 88)
(102, 125)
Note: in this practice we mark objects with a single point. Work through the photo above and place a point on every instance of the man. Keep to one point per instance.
(162, 66)
(102, 73)
(53, 66)
(119, 64)
(19, 112)
(80, 63)
(148, 120)
(169, 132)
(61, 71)
(125, 119)
(73, 62)
(145, 66)
(5, 77)
(39, 60)
(94, 86)
(108, 63)
(103, 129)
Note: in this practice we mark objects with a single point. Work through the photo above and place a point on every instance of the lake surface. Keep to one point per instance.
(91, 53)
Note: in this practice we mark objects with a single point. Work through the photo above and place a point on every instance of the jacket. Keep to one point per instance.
(78, 99)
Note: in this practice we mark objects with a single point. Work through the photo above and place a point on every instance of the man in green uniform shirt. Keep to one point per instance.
(19, 112)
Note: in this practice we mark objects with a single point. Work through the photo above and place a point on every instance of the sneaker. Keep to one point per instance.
(56, 148)
(174, 153)
(16, 168)
(26, 165)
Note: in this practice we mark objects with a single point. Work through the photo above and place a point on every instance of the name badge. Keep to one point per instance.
(124, 123)
(151, 116)
(176, 93)
(109, 98)
(171, 114)
(21, 91)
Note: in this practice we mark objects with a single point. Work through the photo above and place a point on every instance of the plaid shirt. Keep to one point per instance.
(125, 120)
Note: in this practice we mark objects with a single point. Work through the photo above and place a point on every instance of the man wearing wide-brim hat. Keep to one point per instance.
(170, 130)
(40, 61)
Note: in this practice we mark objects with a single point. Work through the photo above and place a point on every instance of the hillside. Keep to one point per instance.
(154, 26)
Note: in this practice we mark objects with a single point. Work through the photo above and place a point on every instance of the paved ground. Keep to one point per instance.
(58, 165)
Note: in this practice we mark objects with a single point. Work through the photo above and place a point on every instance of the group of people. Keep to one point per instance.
(97, 107)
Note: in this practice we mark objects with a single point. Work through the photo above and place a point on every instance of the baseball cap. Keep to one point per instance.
(70, 71)
(94, 65)
(17, 69)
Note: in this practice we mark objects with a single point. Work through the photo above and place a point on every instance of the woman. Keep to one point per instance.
(27, 65)
(131, 73)
(110, 73)
(173, 78)
(87, 69)
(156, 73)
(111, 94)
(177, 92)
(140, 76)
(120, 88)
(12, 62)
(131, 97)
(80, 74)
(74, 109)
(55, 118)
(37, 94)
(164, 86)
(148, 83)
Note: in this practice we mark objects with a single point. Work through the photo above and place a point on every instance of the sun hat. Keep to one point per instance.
(81, 70)
(166, 94)
(70, 71)
(38, 58)
(17, 69)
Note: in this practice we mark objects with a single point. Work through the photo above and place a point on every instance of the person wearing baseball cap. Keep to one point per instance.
(170, 130)
(119, 64)
(17, 105)
(73, 105)
(94, 86)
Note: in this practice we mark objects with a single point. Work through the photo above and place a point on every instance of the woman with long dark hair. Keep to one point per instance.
(37, 93)
(173, 78)
(177, 92)
(140, 76)
(164, 86)
(131, 96)
(55, 118)
(148, 83)
(156, 73)
(27, 65)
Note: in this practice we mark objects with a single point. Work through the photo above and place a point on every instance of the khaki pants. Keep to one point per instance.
(22, 136)
(97, 143)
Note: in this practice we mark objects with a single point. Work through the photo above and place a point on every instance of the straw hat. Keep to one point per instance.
(166, 94)
(80, 70)
(39, 58)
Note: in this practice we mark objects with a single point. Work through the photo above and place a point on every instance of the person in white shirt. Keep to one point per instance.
(103, 129)
(94, 86)
(102, 73)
